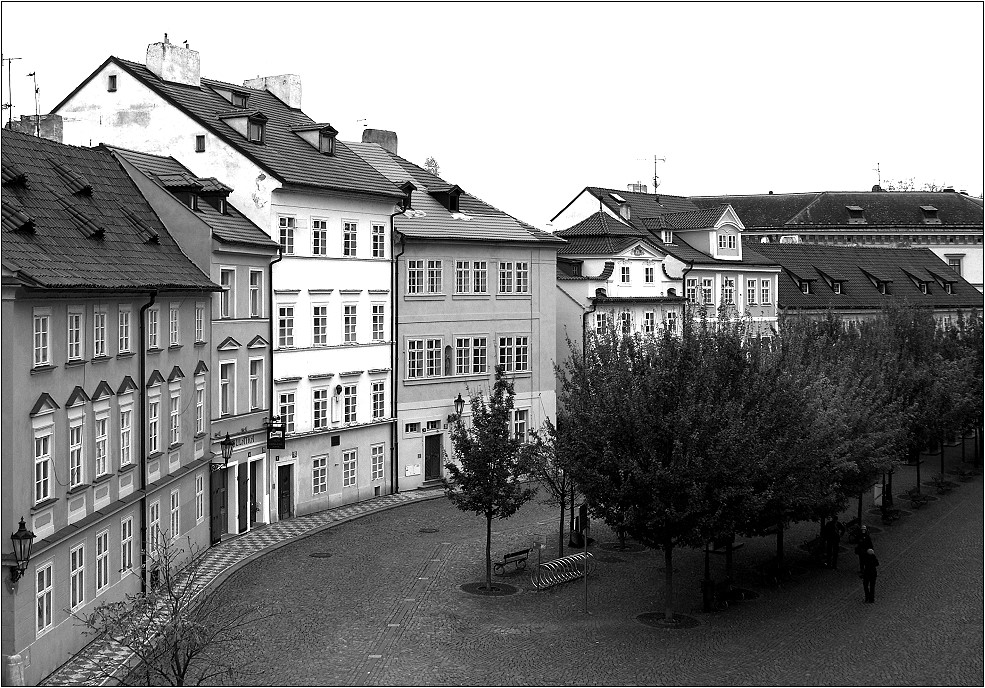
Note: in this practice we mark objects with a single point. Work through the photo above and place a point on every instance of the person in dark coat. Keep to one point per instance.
(869, 564)
(831, 538)
(864, 544)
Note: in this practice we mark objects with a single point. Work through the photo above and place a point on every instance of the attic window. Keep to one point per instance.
(200, 143)
(408, 188)
(326, 142)
(805, 287)
(856, 215)
(238, 99)
(618, 198)
(668, 236)
(255, 130)
(882, 288)
(923, 288)
(930, 215)
(836, 287)
(111, 82)
(947, 287)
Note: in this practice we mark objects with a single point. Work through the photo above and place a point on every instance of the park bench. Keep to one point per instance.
(518, 559)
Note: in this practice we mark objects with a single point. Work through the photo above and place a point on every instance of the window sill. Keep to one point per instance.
(154, 455)
(126, 468)
(42, 368)
(425, 297)
(100, 359)
(74, 364)
(101, 478)
(125, 354)
(43, 504)
(174, 347)
(174, 445)
(447, 378)
(513, 297)
(470, 297)
(78, 489)
(200, 435)
(153, 350)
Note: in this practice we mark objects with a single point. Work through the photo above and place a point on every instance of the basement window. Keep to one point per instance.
(111, 82)
(200, 143)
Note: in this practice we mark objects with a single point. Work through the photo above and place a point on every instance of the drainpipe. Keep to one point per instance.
(142, 392)
(394, 353)
(270, 329)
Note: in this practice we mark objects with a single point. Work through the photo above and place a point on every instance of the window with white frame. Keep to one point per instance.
(433, 350)
(74, 336)
(649, 322)
(379, 399)
(256, 383)
(126, 418)
(379, 322)
(379, 241)
(954, 262)
(76, 454)
(319, 399)
(513, 354)
(42, 466)
(102, 439)
(603, 323)
(287, 225)
(671, 322)
(175, 410)
(286, 404)
(349, 468)
(463, 276)
(285, 326)
(625, 322)
(199, 497)
(319, 237)
(624, 274)
(376, 462)
(173, 322)
(102, 561)
(349, 233)
(43, 595)
(463, 355)
(480, 277)
(199, 410)
(514, 278)
(319, 474)
(505, 278)
(154, 530)
(520, 422)
(349, 323)
(707, 290)
(728, 290)
(691, 290)
(750, 291)
(319, 325)
(199, 322)
(152, 333)
(415, 276)
(153, 426)
(256, 293)
(175, 530)
(805, 287)
(99, 331)
(349, 404)
(522, 278)
(648, 275)
(42, 329)
(479, 355)
(767, 291)
(415, 358)
(435, 270)
(227, 388)
(126, 543)
(227, 280)
(77, 575)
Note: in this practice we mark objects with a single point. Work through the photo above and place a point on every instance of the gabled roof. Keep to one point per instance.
(155, 378)
(688, 219)
(78, 396)
(65, 249)
(175, 374)
(127, 386)
(102, 390)
(601, 224)
(44, 404)
(642, 204)
(475, 221)
(282, 154)
(257, 343)
(201, 368)
(852, 265)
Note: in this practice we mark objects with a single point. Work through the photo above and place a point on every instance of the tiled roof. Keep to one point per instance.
(283, 153)
(476, 221)
(851, 263)
(785, 212)
(601, 224)
(57, 254)
(596, 245)
(687, 219)
(642, 204)
(232, 227)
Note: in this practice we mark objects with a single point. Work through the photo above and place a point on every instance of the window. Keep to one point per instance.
(412, 428)
(463, 277)
(319, 474)
(41, 330)
(463, 355)
(326, 143)
(154, 531)
(102, 560)
(415, 358)
(287, 410)
(349, 239)
(750, 292)
(624, 271)
(649, 322)
(77, 575)
(42, 468)
(954, 262)
(625, 322)
(728, 290)
(175, 530)
(99, 332)
(434, 276)
(227, 389)
(124, 330)
(153, 421)
(200, 143)
(513, 353)
(349, 404)
(126, 416)
(379, 241)
(74, 336)
(226, 281)
(256, 383)
(376, 462)
(285, 326)
(43, 595)
(478, 355)
(175, 332)
(947, 287)
(707, 293)
(856, 215)
(805, 287)
(102, 430)
(506, 278)
(238, 100)
(320, 400)
(721, 241)
(648, 275)
(415, 276)
(126, 543)
(522, 278)
(434, 351)
(199, 322)
(287, 225)
(667, 236)
(152, 342)
(671, 323)
(691, 290)
(319, 326)
(882, 288)
(255, 130)
(379, 399)
(349, 468)
(923, 287)
(199, 497)
(111, 82)
(76, 455)
(199, 411)
(731, 241)
(836, 287)
(603, 323)
(256, 293)
(479, 276)
(520, 418)
(379, 320)
(319, 237)
(766, 290)
(349, 324)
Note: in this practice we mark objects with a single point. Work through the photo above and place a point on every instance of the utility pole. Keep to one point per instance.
(9, 105)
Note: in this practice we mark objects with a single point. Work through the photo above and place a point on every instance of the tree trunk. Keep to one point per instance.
(942, 456)
(918, 471)
(728, 561)
(668, 582)
(963, 455)
(860, 496)
(979, 448)
(488, 552)
(560, 531)
(779, 547)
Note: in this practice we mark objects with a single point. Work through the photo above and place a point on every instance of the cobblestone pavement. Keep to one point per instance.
(386, 607)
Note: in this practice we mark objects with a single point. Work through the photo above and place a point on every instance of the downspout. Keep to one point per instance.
(394, 355)
(270, 329)
(142, 392)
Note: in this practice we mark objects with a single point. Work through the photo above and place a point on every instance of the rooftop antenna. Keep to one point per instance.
(878, 175)
(37, 108)
(9, 105)
(363, 120)
(656, 179)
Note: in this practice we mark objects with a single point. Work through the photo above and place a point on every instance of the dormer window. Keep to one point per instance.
(326, 143)
(923, 288)
(947, 287)
(836, 287)
(407, 188)
(446, 195)
(625, 211)
(805, 287)
(856, 215)
(255, 129)
(668, 236)
(930, 215)
(453, 203)
(238, 99)
(882, 288)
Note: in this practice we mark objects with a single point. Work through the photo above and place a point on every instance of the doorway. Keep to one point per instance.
(243, 497)
(217, 504)
(285, 501)
(432, 457)
(256, 497)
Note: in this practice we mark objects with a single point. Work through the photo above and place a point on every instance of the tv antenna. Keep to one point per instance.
(37, 107)
(656, 178)
(9, 105)
(878, 174)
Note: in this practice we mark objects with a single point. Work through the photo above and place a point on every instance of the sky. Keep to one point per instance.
(524, 105)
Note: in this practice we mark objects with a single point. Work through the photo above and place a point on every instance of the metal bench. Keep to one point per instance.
(518, 559)
(562, 570)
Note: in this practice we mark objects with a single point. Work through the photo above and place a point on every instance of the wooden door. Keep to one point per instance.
(432, 457)
(284, 490)
(217, 505)
(256, 498)
(243, 494)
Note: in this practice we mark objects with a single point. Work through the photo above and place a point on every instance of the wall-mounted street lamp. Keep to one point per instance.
(227, 452)
(23, 540)
(459, 407)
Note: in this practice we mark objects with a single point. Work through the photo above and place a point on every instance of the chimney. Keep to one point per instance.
(876, 187)
(771, 192)
(174, 63)
(284, 87)
(386, 139)
(51, 126)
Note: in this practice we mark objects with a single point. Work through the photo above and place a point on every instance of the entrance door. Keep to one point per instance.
(217, 505)
(243, 493)
(256, 499)
(432, 457)
(285, 502)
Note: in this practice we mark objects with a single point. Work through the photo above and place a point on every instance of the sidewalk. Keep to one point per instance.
(88, 666)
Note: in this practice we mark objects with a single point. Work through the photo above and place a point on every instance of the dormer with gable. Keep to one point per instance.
(320, 136)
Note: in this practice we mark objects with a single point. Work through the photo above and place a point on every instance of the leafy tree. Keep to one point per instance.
(547, 462)
(490, 478)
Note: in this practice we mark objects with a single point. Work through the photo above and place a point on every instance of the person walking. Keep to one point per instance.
(831, 538)
(864, 544)
(869, 564)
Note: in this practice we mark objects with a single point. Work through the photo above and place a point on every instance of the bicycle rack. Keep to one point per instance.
(562, 570)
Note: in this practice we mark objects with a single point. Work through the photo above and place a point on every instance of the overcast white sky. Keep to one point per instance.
(524, 105)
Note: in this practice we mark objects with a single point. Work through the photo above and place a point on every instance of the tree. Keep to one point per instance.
(548, 465)
(177, 636)
(490, 479)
